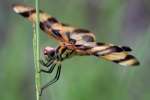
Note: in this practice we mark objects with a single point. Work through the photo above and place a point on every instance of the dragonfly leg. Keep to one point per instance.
(46, 64)
(50, 69)
(53, 80)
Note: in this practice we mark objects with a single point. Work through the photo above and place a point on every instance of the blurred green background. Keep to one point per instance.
(122, 22)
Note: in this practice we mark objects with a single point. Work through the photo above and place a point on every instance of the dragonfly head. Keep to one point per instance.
(49, 52)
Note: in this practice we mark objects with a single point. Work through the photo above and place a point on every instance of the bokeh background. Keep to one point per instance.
(122, 22)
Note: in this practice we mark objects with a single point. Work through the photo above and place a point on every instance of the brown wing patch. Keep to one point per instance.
(81, 31)
(52, 26)
(118, 55)
(110, 52)
(127, 60)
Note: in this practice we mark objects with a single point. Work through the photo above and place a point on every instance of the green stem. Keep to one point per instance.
(36, 51)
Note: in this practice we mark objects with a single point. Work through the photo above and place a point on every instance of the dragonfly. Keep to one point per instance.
(72, 42)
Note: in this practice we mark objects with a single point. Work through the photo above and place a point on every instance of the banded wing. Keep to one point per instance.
(54, 28)
(110, 52)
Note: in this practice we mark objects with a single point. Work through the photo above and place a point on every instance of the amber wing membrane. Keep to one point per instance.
(110, 52)
(54, 28)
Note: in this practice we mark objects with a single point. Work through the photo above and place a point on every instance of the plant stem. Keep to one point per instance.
(36, 51)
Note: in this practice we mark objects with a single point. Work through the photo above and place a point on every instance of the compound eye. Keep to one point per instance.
(45, 52)
(49, 51)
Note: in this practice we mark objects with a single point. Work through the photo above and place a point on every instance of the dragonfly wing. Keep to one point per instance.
(46, 22)
(54, 28)
(110, 52)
